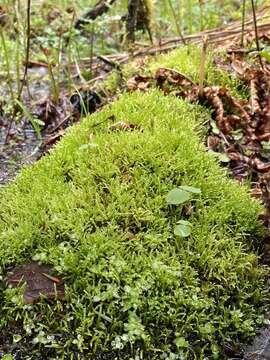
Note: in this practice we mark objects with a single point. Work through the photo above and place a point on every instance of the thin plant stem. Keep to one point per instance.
(6, 57)
(77, 64)
(55, 88)
(201, 4)
(59, 60)
(27, 51)
(189, 16)
(243, 22)
(176, 22)
(36, 123)
(69, 53)
(18, 63)
(256, 32)
(202, 65)
(92, 48)
(17, 12)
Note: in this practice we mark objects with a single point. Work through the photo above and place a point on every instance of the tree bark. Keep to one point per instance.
(138, 18)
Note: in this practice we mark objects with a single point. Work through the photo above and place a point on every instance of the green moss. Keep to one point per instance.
(95, 209)
(186, 60)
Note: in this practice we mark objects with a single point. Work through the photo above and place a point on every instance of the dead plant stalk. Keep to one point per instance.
(202, 65)
(27, 53)
(27, 50)
(256, 32)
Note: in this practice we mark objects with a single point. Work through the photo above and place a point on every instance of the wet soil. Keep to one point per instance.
(19, 143)
(22, 149)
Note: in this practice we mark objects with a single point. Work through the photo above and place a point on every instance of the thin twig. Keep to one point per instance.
(107, 61)
(215, 36)
(27, 52)
(256, 32)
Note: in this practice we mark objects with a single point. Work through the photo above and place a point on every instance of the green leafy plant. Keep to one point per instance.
(35, 122)
(183, 228)
(178, 196)
(181, 194)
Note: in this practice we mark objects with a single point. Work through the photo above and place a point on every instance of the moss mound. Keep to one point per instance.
(95, 210)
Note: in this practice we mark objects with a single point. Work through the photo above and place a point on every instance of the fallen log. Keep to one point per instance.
(99, 9)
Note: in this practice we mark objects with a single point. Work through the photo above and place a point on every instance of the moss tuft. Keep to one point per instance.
(95, 210)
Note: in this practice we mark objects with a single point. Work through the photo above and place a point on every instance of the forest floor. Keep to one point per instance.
(232, 82)
(58, 69)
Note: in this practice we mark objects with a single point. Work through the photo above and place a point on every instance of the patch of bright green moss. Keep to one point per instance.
(95, 209)
(186, 60)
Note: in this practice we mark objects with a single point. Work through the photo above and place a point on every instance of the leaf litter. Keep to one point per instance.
(19, 140)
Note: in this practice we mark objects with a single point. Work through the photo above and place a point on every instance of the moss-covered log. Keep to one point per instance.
(95, 210)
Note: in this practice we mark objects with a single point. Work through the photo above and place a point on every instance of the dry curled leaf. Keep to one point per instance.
(173, 77)
(254, 97)
(138, 82)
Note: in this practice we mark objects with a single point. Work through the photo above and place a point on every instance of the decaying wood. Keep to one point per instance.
(133, 8)
(99, 9)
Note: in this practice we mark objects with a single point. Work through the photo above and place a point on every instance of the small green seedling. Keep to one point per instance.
(7, 357)
(178, 196)
(265, 145)
(222, 157)
(183, 228)
(181, 194)
(215, 129)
